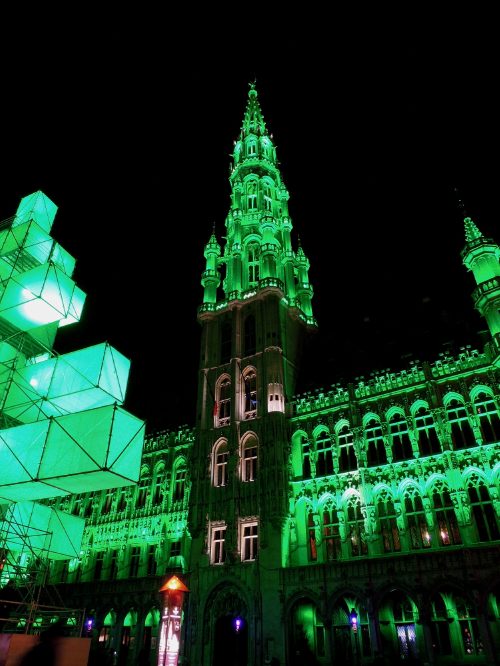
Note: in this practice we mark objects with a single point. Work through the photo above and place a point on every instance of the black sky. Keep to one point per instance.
(128, 127)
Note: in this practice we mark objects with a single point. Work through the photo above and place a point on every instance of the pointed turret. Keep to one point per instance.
(258, 251)
(481, 256)
(253, 121)
(210, 278)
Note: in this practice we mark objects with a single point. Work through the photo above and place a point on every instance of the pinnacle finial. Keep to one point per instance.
(460, 203)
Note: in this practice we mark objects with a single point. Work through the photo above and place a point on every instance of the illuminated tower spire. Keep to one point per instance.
(258, 250)
(481, 256)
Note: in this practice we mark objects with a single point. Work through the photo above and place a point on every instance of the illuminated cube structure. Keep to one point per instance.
(62, 427)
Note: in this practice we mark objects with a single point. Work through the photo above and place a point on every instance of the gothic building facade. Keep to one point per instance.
(337, 527)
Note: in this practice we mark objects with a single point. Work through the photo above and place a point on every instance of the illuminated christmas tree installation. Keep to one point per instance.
(62, 427)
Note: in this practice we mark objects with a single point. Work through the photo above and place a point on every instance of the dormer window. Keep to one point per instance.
(252, 148)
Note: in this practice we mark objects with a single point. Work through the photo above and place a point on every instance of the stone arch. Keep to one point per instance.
(304, 629)
(418, 404)
(227, 602)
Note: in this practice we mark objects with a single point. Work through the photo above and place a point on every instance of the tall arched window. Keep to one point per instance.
(324, 459)
(446, 520)
(253, 264)
(250, 396)
(482, 510)
(251, 147)
(401, 445)
(376, 453)
(268, 202)
(416, 521)
(488, 417)
(223, 402)
(306, 459)
(179, 482)
(158, 488)
(249, 459)
(428, 442)
(311, 538)
(219, 465)
(388, 524)
(440, 629)
(142, 491)
(226, 342)
(356, 527)
(331, 533)
(469, 629)
(249, 342)
(347, 456)
(461, 431)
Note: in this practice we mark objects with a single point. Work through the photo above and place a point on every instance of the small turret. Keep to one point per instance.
(210, 278)
(481, 256)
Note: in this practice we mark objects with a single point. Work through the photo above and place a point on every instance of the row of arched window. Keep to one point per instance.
(150, 491)
(249, 339)
(254, 146)
(248, 406)
(247, 463)
(415, 520)
(405, 437)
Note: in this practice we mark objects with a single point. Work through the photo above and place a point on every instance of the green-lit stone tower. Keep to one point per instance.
(356, 525)
(256, 308)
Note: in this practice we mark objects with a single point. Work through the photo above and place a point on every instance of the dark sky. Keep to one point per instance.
(127, 125)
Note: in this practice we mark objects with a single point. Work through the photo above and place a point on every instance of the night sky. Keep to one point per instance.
(128, 126)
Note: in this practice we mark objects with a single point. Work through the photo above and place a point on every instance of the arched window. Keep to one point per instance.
(416, 521)
(311, 538)
(219, 465)
(440, 629)
(249, 459)
(469, 629)
(251, 147)
(331, 534)
(428, 442)
(446, 520)
(249, 344)
(388, 523)
(356, 527)
(482, 510)
(375, 444)
(404, 620)
(268, 202)
(250, 397)
(253, 264)
(306, 460)
(324, 459)
(223, 402)
(142, 492)
(226, 342)
(179, 483)
(461, 431)
(401, 445)
(488, 417)
(347, 457)
(158, 487)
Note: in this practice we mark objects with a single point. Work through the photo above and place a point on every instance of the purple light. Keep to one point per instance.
(238, 624)
(90, 623)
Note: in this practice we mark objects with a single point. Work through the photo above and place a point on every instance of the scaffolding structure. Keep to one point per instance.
(62, 427)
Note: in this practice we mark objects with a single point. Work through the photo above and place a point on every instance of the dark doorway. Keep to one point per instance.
(230, 645)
